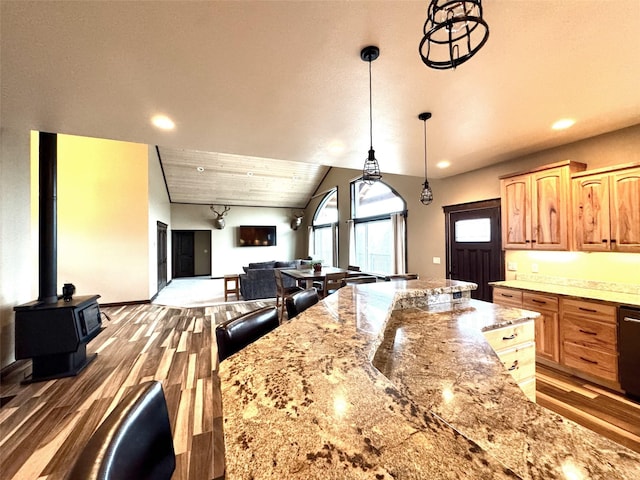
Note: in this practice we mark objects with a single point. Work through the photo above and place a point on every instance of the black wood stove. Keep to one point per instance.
(54, 330)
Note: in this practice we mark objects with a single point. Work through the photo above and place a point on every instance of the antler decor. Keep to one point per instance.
(296, 221)
(219, 222)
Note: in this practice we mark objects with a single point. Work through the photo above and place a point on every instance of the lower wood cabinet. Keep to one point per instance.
(547, 341)
(588, 335)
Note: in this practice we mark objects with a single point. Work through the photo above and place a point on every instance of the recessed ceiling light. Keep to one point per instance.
(200, 169)
(249, 174)
(336, 147)
(163, 122)
(563, 123)
(443, 164)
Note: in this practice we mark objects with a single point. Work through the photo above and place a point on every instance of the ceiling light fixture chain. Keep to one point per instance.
(426, 196)
(371, 171)
(454, 31)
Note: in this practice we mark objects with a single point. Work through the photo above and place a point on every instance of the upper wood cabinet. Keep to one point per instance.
(535, 207)
(606, 210)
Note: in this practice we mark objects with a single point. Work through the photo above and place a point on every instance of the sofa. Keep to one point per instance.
(259, 280)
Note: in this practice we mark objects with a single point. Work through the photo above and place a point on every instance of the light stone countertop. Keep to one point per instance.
(356, 388)
(602, 294)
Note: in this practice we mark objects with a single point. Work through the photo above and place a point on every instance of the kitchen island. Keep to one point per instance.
(396, 380)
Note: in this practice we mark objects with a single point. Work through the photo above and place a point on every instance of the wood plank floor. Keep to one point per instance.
(597, 408)
(43, 426)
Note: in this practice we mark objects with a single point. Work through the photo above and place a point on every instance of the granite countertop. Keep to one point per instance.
(356, 387)
(595, 291)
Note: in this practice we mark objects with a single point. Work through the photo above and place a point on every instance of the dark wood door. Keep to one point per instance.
(183, 253)
(162, 255)
(474, 245)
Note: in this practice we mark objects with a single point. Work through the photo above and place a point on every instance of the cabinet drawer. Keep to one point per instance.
(519, 361)
(507, 297)
(534, 301)
(594, 362)
(588, 333)
(507, 337)
(589, 310)
(528, 386)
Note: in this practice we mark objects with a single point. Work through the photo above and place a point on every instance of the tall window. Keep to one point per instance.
(325, 228)
(379, 234)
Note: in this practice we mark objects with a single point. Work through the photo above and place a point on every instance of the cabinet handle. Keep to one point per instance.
(527, 241)
(604, 240)
(589, 361)
(514, 366)
(510, 337)
(590, 310)
(535, 300)
(587, 332)
(613, 240)
(506, 295)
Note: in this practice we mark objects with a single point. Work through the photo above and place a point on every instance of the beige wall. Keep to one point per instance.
(226, 256)
(425, 224)
(159, 211)
(103, 225)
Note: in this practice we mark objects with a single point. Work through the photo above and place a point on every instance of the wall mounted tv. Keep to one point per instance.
(257, 235)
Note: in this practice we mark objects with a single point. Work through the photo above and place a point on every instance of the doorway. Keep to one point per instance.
(474, 245)
(162, 255)
(191, 253)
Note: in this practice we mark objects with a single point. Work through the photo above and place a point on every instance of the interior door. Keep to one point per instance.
(162, 255)
(474, 245)
(183, 246)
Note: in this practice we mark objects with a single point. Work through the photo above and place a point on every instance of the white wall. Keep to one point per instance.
(226, 256)
(159, 211)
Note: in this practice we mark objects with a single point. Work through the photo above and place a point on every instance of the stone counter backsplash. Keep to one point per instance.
(630, 288)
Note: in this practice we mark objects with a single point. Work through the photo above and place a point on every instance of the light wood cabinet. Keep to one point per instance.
(606, 210)
(546, 325)
(547, 339)
(588, 334)
(535, 208)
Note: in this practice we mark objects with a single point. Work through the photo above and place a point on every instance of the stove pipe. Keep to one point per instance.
(48, 230)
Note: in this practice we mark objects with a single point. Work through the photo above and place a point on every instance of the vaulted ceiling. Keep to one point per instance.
(267, 95)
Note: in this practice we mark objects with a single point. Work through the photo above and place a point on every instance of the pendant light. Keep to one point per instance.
(426, 196)
(453, 33)
(371, 171)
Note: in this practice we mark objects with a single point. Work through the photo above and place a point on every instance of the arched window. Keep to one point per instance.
(377, 240)
(324, 245)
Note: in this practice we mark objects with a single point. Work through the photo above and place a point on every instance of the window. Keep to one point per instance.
(325, 226)
(473, 230)
(379, 236)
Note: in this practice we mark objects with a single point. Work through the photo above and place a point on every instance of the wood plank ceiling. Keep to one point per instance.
(224, 179)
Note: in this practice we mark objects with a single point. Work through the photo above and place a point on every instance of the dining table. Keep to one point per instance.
(309, 275)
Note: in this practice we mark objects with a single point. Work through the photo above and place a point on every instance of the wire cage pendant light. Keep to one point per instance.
(371, 171)
(453, 33)
(426, 196)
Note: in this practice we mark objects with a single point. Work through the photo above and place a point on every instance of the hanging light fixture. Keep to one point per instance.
(453, 33)
(371, 171)
(426, 196)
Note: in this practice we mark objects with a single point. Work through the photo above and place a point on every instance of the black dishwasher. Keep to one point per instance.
(629, 350)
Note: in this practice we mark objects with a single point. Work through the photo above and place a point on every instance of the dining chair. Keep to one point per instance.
(282, 292)
(298, 302)
(331, 283)
(134, 441)
(353, 268)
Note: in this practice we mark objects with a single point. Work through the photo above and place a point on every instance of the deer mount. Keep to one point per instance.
(296, 221)
(218, 222)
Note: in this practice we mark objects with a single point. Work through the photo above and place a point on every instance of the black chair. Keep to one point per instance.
(353, 268)
(235, 334)
(402, 276)
(298, 302)
(359, 280)
(134, 441)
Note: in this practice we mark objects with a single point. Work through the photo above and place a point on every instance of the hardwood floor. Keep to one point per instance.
(45, 425)
(597, 408)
